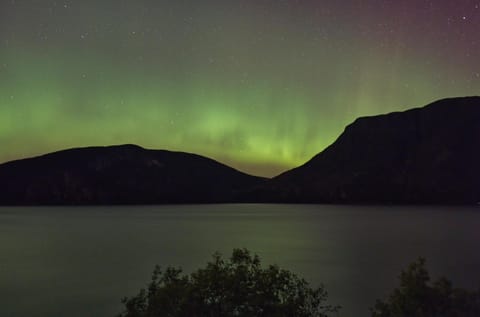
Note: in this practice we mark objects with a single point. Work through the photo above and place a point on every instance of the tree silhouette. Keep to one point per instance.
(416, 297)
(238, 286)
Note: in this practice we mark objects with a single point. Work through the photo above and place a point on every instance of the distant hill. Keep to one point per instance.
(428, 155)
(423, 155)
(125, 174)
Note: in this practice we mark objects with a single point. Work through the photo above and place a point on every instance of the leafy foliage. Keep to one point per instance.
(238, 286)
(417, 298)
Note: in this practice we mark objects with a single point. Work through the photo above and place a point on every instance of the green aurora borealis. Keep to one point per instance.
(259, 85)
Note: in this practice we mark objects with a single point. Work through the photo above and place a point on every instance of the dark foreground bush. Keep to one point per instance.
(238, 286)
(417, 297)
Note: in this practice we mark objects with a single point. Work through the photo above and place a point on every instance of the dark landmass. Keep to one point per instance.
(428, 155)
(125, 174)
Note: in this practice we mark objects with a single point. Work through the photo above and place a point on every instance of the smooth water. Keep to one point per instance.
(80, 261)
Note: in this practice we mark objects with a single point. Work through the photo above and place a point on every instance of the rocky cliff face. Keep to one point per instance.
(125, 174)
(423, 155)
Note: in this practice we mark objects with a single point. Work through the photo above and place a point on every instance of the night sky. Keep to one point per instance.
(261, 85)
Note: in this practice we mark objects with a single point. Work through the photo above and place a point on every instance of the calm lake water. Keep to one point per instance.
(80, 261)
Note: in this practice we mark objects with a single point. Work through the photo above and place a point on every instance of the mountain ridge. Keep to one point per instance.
(402, 139)
(120, 174)
(423, 155)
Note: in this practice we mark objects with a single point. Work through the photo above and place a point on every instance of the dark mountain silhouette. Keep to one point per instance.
(125, 174)
(423, 155)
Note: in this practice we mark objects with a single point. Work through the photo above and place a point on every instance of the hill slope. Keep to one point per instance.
(124, 174)
(423, 155)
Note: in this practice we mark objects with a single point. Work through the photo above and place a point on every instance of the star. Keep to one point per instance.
(288, 58)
